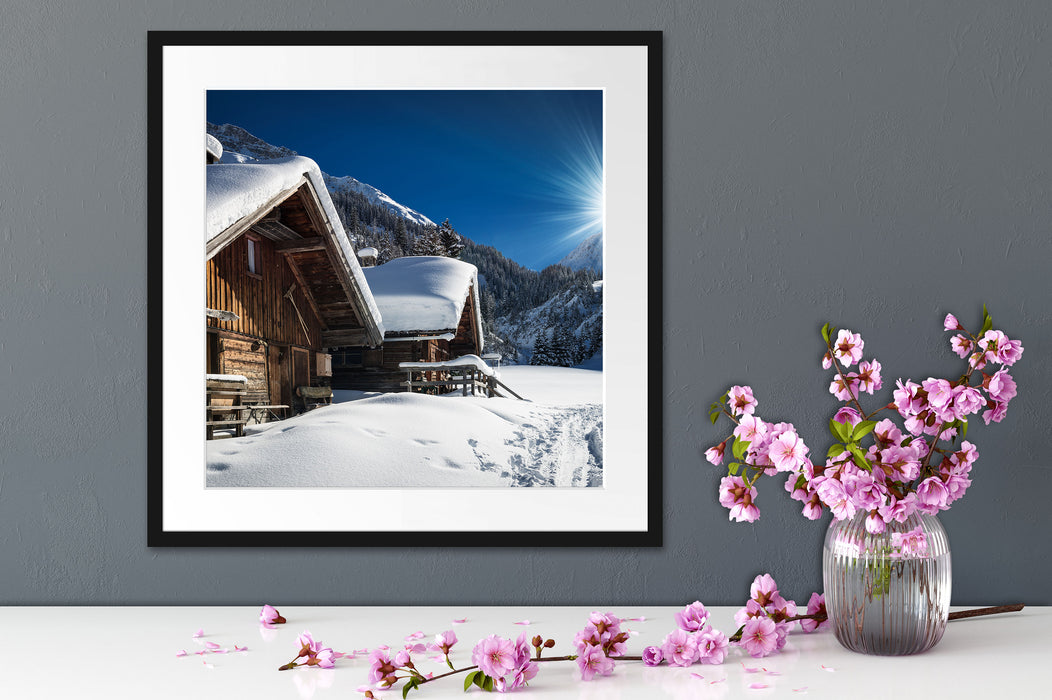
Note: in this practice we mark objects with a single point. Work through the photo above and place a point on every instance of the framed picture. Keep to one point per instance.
(404, 288)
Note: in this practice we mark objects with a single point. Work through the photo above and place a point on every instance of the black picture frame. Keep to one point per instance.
(169, 459)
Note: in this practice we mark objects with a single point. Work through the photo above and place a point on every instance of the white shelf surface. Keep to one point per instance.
(130, 652)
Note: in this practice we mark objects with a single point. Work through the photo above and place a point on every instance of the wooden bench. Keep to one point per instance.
(314, 396)
(224, 406)
(259, 406)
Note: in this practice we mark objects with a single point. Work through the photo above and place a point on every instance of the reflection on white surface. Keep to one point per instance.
(267, 634)
(309, 680)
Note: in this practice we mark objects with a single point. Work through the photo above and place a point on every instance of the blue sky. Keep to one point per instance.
(520, 170)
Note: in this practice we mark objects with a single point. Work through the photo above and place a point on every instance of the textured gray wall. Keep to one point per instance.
(870, 164)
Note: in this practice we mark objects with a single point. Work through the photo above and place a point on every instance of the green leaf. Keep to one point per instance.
(487, 685)
(714, 416)
(988, 322)
(740, 446)
(825, 332)
(863, 429)
(470, 680)
(964, 430)
(860, 457)
(410, 685)
(835, 451)
(841, 431)
(733, 468)
(801, 481)
(907, 441)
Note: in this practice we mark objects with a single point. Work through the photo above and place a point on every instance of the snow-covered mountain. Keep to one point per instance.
(587, 255)
(349, 184)
(569, 322)
(239, 142)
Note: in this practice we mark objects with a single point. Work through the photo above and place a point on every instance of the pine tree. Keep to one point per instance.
(450, 240)
(562, 347)
(541, 350)
(401, 237)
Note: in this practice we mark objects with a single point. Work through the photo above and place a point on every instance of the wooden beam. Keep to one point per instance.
(243, 224)
(351, 337)
(275, 230)
(302, 245)
(298, 274)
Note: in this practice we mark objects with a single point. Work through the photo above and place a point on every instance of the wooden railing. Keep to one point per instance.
(471, 381)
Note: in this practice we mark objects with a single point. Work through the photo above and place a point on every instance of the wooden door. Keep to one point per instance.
(279, 386)
(300, 367)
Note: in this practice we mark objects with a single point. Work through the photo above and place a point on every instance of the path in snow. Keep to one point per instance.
(408, 440)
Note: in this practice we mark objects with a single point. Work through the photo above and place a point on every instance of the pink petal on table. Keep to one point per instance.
(383, 647)
(201, 653)
(341, 655)
(633, 633)
(181, 652)
(363, 689)
(199, 633)
(414, 636)
(802, 689)
(715, 682)
(827, 668)
(772, 673)
(641, 618)
(460, 621)
(237, 648)
(750, 670)
(522, 622)
(211, 645)
(758, 686)
(698, 675)
(363, 652)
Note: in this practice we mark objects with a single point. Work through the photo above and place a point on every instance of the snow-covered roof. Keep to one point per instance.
(423, 293)
(462, 361)
(236, 190)
(368, 252)
(213, 146)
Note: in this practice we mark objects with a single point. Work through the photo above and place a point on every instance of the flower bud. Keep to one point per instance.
(548, 644)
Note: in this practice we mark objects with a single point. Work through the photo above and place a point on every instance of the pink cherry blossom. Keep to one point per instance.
(494, 656)
(763, 589)
(269, 615)
(940, 391)
(908, 399)
(736, 495)
(816, 605)
(760, 637)
(869, 376)
(692, 618)
(845, 388)
(1001, 386)
(653, 656)
(848, 416)
(381, 668)
(680, 648)
(961, 345)
(752, 609)
(712, 646)
(966, 401)
(444, 641)
(788, 451)
(996, 413)
(848, 347)
(931, 495)
(875, 523)
(750, 428)
(835, 496)
(741, 401)
(593, 662)
(951, 323)
(715, 454)
(1009, 352)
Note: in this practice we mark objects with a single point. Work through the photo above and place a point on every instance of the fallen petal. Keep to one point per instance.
(698, 675)
(750, 670)
(758, 686)
(826, 668)
(199, 633)
(415, 635)
(237, 648)
(220, 651)
(641, 618)
(715, 682)
(522, 622)
(800, 690)
(181, 652)
(211, 645)
(460, 621)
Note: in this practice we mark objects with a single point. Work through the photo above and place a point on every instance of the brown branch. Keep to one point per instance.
(978, 612)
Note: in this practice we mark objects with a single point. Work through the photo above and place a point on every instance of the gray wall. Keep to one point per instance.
(870, 164)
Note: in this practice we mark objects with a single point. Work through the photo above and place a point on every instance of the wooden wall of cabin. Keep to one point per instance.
(466, 340)
(379, 370)
(267, 343)
(259, 299)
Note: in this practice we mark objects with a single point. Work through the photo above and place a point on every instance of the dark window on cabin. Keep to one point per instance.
(346, 357)
(253, 251)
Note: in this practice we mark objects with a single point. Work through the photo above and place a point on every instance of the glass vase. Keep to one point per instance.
(887, 593)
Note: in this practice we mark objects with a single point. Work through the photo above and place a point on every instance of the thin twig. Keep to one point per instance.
(978, 612)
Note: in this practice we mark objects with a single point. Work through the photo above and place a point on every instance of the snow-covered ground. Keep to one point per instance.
(407, 440)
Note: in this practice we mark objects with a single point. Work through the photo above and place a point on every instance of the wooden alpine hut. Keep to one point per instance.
(431, 313)
(283, 282)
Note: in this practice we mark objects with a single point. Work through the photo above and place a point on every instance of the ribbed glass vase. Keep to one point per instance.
(887, 594)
